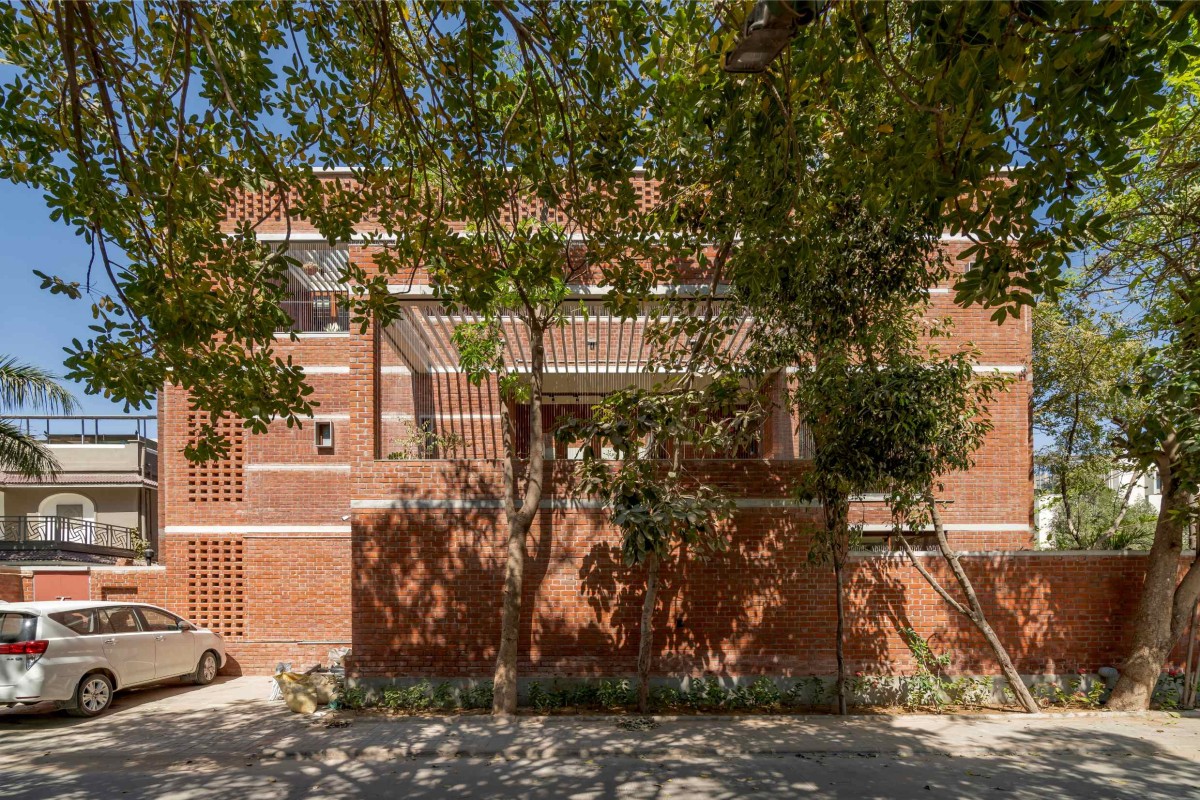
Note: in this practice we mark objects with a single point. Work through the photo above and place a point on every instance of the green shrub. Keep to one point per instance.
(407, 698)
(929, 687)
(478, 695)
(665, 697)
(810, 691)
(444, 697)
(763, 694)
(614, 694)
(1168, 690)
(972, 691)
(352, 697)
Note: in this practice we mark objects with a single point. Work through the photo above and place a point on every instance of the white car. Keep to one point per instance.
(78, 653)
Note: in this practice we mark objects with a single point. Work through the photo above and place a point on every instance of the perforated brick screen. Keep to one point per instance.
(216, 585)
(217, 481)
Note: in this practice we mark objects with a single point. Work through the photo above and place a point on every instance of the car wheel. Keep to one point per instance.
(93, 696)
(206, 670)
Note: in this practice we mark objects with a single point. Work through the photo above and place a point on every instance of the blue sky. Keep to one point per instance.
(35, 326)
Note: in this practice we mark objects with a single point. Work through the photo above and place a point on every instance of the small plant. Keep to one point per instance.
(1044, 693)
(352, 697)
(810, 691)
(407, 698)
(612, 694)
(539, 698)
(478, 695)
(138, 543)
(866, 689)
(422, 441)
(972, 691)
(764, 694)
(1168, 690)
(444, 697)
(928, 688)
(665, 697)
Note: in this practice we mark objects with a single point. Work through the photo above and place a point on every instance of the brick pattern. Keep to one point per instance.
(14, 587)
(135, 584)
(217, 481)
(417, 589)
(216, 589)
(426, 585)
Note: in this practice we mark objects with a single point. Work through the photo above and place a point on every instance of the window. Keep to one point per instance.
(118, 620)
(17, 628)
(72, 510)
(317, 301)
(155, 620)
(324, 432)
(82, 622)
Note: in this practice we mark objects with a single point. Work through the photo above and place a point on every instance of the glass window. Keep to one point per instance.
(82, 621)
(72, 510)
(120, 619)
(155, 620)
(17, 628)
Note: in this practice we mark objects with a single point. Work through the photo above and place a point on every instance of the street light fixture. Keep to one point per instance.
(768, 28)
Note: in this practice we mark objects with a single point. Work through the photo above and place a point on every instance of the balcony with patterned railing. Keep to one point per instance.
(66, 535)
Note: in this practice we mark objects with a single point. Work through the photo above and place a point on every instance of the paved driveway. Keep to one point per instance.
(225, 740)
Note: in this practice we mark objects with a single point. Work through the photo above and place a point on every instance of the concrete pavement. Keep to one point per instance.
(226, 740)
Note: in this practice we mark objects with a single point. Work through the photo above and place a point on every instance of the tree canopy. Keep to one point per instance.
(139, 123)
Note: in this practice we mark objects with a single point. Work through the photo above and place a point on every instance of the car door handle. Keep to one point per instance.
(159, 638)
(110, 641)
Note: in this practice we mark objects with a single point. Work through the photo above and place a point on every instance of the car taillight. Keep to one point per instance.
(34, 648)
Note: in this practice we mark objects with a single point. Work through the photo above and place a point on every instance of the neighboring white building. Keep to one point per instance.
(106, 489)
(1147, 486)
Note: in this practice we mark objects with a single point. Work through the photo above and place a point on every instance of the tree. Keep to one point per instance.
(25, 387)
(1103, 518)
(1052, 94)
(139, 123)
(1150, 262)
(831, 319)
(649, 492)
(1082, 354)
(142, 123)
(936, 419)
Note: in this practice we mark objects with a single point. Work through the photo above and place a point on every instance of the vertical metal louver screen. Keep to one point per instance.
(317, 301)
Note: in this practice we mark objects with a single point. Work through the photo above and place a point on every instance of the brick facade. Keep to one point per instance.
(403, 557)
(426, 584)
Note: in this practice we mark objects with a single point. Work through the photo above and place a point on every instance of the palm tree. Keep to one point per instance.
(25, 387)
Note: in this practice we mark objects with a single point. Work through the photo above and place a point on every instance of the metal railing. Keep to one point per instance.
(321, 315)
(67, 533)
(87, 429)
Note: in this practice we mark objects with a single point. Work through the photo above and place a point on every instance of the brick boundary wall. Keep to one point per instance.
(15, 585)
(426, 603)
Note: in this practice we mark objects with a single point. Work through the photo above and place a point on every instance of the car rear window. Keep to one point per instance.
(81, 621)
(16, 627)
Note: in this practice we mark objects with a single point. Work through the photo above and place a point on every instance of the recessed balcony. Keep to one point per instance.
(49, 537)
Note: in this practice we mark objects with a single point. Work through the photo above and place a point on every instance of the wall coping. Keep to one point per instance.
(1010, 553)
(88, 568)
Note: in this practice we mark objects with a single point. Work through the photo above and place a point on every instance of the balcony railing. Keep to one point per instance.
(66, 533)
(90, 429)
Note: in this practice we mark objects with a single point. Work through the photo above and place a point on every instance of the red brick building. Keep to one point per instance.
(379, 525)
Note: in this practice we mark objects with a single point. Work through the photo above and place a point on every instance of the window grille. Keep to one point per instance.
(317, 301)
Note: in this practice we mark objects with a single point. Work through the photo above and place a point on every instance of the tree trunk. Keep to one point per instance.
(839, 648)
(646, 643)
(973, 610)
(976, 615)
(520, 520)
(1189, 668)
(1163, 608)
(504, 682)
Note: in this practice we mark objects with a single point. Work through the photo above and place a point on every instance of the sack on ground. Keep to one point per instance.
(305, 693)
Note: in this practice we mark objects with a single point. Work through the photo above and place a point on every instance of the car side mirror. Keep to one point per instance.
(184, 625)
